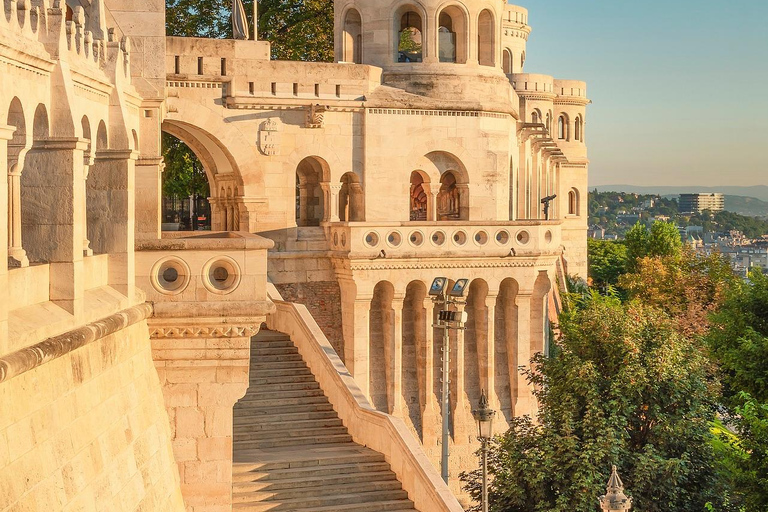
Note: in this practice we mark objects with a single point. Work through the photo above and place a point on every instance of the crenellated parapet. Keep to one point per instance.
(514, 38)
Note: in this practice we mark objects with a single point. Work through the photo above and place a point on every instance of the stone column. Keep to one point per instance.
(149, 198)
(430, 412)
(357, 349)
(52, 210)
(6, 133)
(203, 370)
(87, 162)
(111, 189)
(488, 358)
(524, 403)
(15, 250)
(395, 387)
(333, 190)
(230, 216)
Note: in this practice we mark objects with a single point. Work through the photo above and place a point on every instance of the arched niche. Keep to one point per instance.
(486, 39)
(452, 35)
(410, 35)
(311, 173)
(351, 207)
(420, 195)
(352, 37)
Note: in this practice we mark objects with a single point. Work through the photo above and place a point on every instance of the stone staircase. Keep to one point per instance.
(291, 450)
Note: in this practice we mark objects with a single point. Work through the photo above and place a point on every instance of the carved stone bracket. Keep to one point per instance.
(315, 116)
(203, 331)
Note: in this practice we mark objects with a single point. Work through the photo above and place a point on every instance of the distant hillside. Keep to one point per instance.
(757, 191)
(749, 206)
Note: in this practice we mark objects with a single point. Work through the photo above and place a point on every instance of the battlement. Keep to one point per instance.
(246, 69)
(530, 83)
(515, 16)
(575, 88)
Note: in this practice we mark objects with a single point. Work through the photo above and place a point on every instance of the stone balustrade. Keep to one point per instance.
(443, 239)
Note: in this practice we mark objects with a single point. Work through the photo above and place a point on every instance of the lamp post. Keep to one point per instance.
(446, 320)
(484, 417)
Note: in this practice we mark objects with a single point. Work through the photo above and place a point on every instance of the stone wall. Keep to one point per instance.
(323, 300)
(88, 431)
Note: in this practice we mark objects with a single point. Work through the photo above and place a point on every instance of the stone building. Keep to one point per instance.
(425, 150)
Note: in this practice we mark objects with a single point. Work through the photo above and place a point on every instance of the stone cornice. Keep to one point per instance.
(204, 331)
(29, 358)
(426, 265)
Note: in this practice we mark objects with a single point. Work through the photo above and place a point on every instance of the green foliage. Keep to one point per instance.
(663, 239)
(739, 342)
(298, 30)
(622, 387)
(184, 174)
(607, 261)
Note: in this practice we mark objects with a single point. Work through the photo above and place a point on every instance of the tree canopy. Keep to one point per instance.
(623, 387)
(297, 30)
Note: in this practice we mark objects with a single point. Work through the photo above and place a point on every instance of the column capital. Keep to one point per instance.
(62, 143)
(117, 154)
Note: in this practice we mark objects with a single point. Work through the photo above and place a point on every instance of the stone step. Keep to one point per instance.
(260, 360)
(279, 370)
(269, 350)
(309, 472)
(292, 441)
(379, 506)
(308, 483)
(289, 432)
(249, 492)
(305, 398)
(333, 421)
(282, 386)
(243, 416)
(267, 335)
(279, 379)
(316, 457)
(258, 368)
(259, 395)
(364, 501)
(322, 412)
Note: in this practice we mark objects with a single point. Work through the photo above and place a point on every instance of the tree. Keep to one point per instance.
(663, 239)
(607, 261)
(623, 387)
(184, 175)
(298, 30)
(739, 342)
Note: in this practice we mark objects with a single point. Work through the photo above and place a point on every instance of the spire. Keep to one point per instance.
(614, 499)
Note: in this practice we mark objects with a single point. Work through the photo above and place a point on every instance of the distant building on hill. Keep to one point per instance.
(697, 203)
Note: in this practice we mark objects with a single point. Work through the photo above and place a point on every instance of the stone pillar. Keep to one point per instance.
(430, 412)
(87, 162)
(488, 357)
(524, 403)
(230, 216)
(202, 378)
(395, 387)
(333, 190)
(149, 198)
(52, 210)
(357, 347)
(15, 250)
(6, 133)
(111, 199)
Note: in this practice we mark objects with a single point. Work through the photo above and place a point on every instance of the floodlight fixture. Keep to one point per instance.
(459, 287)
(439, 285)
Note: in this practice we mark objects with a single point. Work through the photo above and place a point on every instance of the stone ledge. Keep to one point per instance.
(26, 359)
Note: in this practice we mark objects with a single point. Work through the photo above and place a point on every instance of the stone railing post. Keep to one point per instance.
(6, 133)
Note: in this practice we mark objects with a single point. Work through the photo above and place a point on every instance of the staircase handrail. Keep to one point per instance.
(381, 432)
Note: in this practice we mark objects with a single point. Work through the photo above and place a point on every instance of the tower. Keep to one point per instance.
(614, 499)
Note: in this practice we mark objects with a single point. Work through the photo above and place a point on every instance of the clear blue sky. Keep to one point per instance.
(679, 88)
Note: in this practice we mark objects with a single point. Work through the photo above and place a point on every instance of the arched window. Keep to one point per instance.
(522, 62)
(451, 200)
(419, 202)
(486, 39)
(573, 202)
(410, 38)
(352, 40)
(579, 129)
(310, 198)
(562, 127)
(350, 198)
(536, 116)
(508, 61)
(549, 123)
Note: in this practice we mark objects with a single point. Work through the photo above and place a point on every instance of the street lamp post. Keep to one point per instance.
(484, 417)
(446, 320)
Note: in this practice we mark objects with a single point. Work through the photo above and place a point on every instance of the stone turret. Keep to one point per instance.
(427, 47)
(614, 499)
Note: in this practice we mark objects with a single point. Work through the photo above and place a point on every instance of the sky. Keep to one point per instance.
(679, 87)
